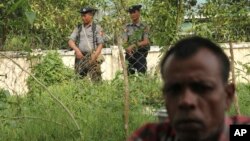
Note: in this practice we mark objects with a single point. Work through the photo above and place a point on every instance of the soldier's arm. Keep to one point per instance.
(145, 41)
(125, 34)
(142, 43)
(72, 44)
(97, 52)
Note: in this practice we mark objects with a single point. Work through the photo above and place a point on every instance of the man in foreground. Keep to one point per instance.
(197, 94)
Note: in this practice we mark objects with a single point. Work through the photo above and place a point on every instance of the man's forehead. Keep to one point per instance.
(180, 57)
(87, 13)
(203, 58)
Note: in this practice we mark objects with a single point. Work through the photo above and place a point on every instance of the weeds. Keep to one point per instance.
(97, 107)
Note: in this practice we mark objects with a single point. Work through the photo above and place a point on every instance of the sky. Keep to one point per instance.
(201, 1)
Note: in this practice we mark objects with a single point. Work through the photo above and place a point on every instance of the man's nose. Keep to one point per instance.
(187, 100)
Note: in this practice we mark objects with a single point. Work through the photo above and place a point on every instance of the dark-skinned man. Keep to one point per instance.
(197, 95)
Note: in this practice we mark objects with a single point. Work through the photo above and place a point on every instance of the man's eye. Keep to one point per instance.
(200, 88)
(173, 89)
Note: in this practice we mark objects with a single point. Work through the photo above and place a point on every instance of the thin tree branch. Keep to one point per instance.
(53, 97)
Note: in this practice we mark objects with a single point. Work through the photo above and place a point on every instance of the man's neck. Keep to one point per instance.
(136, 21)
(87, 24)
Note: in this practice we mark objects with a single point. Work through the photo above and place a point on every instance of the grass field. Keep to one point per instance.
(97, 108)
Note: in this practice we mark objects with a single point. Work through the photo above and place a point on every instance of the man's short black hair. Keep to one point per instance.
(189, 46)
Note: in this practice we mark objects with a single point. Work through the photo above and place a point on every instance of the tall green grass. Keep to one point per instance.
(98, 109)
(243, 95)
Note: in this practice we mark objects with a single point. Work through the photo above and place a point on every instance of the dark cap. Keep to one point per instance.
(87, 9)
(134, 7)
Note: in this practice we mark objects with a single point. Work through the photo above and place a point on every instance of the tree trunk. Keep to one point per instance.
(4, 34)
(126, 89)
(179, 14)
(236, 104)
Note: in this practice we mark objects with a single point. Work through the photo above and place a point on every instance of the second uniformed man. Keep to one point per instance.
(137, 39)
(87, 42)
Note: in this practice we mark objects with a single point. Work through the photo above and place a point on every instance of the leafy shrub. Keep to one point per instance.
(27, 42)
(148, 89)
(98, 108)
(243, 100)
(49, 71)
(3, 98)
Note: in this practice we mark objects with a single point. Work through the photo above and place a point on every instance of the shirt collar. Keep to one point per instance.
(89, 25)
(137, 24)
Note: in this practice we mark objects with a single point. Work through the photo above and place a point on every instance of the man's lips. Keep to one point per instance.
(188, 125)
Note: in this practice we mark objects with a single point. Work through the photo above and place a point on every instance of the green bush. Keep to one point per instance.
(148, 88)
(98, 109)
(243, 100)
(4, 94)
(49, 71)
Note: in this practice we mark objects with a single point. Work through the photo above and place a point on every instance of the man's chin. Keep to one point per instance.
(195, 136)
(189, 137)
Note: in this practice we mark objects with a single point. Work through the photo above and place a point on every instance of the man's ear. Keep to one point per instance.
(230, 94)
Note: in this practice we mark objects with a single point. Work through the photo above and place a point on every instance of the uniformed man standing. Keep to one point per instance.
(137, 39)
(87, 42)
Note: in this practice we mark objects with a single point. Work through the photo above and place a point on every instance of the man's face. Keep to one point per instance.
(87, 18)
(195, 95)
(134, 15)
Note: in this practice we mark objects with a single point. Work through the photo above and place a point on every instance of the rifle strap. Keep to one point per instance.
(79, 26)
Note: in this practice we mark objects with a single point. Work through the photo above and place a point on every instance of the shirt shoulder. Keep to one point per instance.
(152, 132)
(144, 26)
(240, 120)
(98, 27)
(74, 34)
(129, 24)
(127, 27)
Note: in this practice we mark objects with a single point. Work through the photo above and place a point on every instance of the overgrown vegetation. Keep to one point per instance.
(97, 107)
(49, 71)
(220, 20)
(33, 24)
(244, 101)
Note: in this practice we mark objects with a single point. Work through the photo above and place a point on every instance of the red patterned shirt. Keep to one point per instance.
(164, 132)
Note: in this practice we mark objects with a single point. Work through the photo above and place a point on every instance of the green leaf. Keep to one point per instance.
(2, 105)
(1, 5)
(15, 6)
(31, 16)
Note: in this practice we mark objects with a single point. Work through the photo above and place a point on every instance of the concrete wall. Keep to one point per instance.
(112, 60)
(13, 78)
